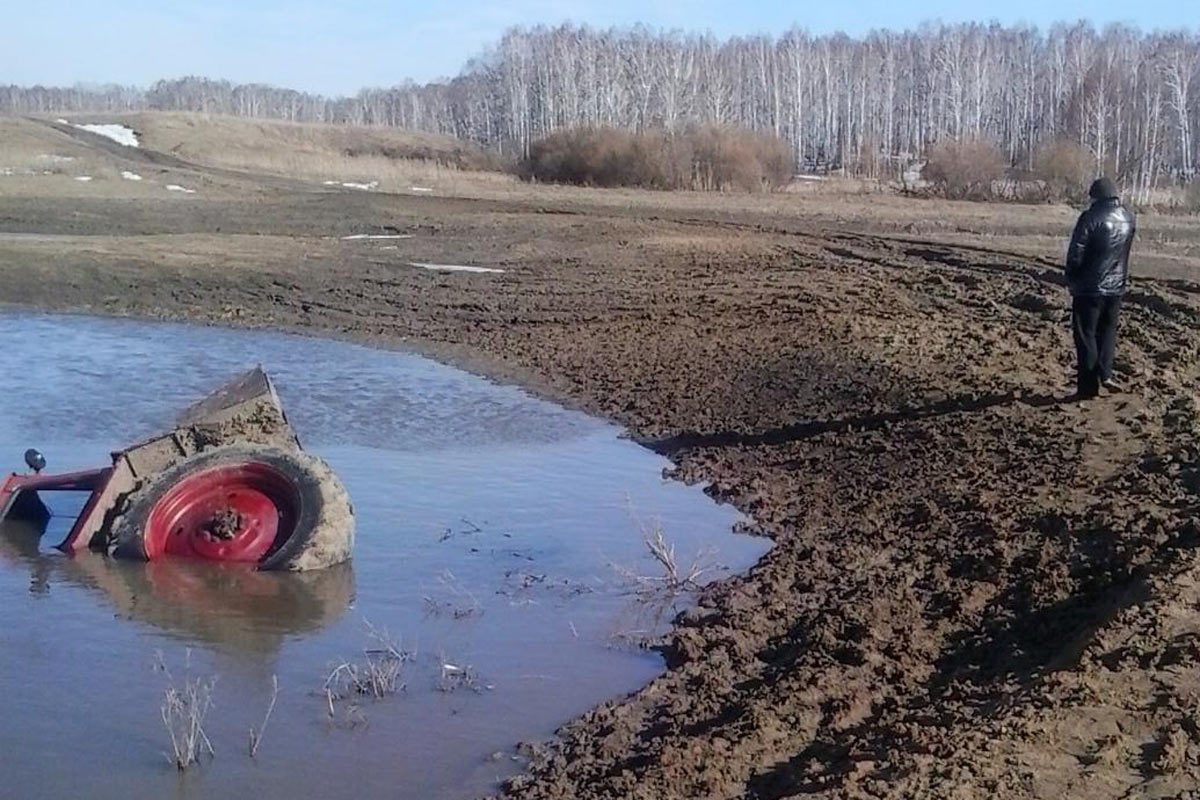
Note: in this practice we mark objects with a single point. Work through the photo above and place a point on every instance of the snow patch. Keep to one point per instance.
(366, 187)
(83, 178)
(62, 121)
(421, 189)
(130, 176)
(360, 236)
(118, 133)
(453, 267)
(55, 159)
(175, 187)
(330, 183)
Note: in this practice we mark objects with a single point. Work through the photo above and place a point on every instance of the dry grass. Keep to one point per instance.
(376, 676)
(454, 677)
(387, 159)
(34, 155)
(1191, 196)
(40, 161)
(398, 161)
(379, 172)
(453, 599)
(184, 709)
(207, 137)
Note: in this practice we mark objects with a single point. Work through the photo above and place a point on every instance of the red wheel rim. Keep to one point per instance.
(231, 512)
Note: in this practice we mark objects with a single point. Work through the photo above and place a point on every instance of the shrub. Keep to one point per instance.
(964, 170)
(700, 157)
(1191, 196)
(1065, 169)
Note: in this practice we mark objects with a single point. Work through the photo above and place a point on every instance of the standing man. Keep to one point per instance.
(1097, 275)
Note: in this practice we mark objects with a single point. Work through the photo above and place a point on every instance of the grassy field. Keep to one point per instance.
(385, 160)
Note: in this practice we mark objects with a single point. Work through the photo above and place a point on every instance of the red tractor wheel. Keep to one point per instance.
(232, 512)
(272, 508)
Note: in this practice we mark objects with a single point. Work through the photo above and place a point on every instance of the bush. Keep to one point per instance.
(1065, 169)
(702, 157)
(964, 170)
(1191, 196)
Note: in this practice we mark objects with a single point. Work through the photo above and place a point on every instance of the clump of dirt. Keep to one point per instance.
(263, 425)
(1035, 303)
(225, 524)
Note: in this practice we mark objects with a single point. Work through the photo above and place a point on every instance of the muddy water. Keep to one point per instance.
(488, 524)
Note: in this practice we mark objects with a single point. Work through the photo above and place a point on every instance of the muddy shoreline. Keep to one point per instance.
(978, 589)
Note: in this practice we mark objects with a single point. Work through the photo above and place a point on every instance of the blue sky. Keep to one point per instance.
(337, 47)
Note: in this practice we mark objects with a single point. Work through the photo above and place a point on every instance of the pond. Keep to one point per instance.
(499, 541)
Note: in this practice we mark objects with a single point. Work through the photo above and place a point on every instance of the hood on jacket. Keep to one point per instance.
(1103, 189)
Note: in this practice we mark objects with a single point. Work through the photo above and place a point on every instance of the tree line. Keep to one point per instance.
(868, 105)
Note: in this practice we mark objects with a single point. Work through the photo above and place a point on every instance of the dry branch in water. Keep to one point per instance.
(654, 595)
(256, 736)
(671, 580)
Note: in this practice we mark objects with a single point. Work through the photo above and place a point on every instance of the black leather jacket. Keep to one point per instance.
(1098, 258)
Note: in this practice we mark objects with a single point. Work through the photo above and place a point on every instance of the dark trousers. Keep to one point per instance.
(1094, 324)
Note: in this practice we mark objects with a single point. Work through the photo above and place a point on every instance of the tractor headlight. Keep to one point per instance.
(35, 460)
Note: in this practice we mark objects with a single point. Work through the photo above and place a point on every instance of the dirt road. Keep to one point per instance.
(978, 589)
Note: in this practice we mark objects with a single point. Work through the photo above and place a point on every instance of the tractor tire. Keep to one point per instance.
(295, 513)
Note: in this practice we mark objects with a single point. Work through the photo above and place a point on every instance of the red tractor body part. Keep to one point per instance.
(19, 497)
(166, 497)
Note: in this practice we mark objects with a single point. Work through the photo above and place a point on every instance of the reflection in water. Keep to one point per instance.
(226, 605)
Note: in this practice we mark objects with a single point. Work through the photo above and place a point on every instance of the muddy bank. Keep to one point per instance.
(979, 589)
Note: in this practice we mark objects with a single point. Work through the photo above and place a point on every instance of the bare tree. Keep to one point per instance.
(1130, 97)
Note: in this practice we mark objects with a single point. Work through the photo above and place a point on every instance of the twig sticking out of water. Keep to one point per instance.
(386, 644)
(655, 595)
(671, 580)
(183, 711)
(256, 736)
